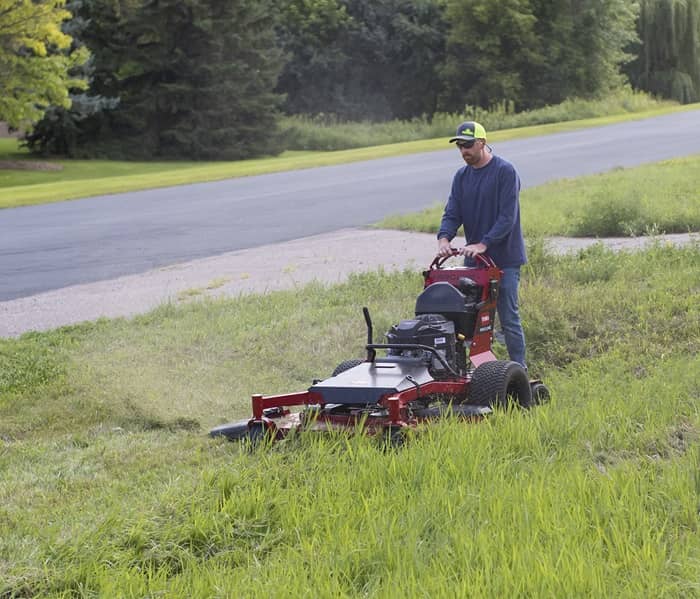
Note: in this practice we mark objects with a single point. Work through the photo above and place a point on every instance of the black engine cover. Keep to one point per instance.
(457, 305)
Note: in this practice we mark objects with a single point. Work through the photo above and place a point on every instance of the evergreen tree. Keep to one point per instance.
(667, 59)
(194, 79)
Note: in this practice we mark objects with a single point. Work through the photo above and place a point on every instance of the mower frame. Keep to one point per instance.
(420, 397)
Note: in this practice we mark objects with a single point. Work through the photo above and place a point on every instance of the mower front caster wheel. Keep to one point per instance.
(346, 365)
(394, 437)
(540, 393)
(258, 434)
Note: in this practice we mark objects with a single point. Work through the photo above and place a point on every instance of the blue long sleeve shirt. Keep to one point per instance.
(486, 202)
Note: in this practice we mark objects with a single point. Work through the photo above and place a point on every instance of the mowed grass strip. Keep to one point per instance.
(658, 198)
(111, 488)
(88, 178)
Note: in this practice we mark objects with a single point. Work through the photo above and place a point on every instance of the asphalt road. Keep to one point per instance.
(55, 245)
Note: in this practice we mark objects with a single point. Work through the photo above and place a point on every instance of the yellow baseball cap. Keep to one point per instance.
(469, 130)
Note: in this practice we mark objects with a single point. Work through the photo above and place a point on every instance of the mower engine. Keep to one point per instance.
(445, 319)
(430, 330)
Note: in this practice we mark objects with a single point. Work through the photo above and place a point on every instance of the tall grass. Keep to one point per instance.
(324, 132)
(110, 488)
(198, 363)
(650, 199)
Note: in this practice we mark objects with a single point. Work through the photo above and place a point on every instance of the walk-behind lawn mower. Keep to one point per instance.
(436, 364)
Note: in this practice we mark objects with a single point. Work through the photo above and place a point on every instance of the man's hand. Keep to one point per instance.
(444, 247)
(472, 249)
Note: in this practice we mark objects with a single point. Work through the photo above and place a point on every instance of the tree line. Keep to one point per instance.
(208, 79)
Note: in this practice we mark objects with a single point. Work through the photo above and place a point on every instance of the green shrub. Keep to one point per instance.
(325, 132)
(604, 216)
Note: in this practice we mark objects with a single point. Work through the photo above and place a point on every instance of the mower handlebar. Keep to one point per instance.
(481, 260)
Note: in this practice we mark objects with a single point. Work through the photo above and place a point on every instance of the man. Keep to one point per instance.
(485, 200)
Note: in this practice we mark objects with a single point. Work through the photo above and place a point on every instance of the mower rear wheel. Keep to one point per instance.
(346, 365)
(499, 382)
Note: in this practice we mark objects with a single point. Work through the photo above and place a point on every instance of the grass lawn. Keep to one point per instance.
(84, 178)
(659, 198)
(111, 488)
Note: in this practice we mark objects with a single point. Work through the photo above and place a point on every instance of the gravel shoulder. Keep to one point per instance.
(329, 258)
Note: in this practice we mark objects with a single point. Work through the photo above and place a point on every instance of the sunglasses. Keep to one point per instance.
(466, 144)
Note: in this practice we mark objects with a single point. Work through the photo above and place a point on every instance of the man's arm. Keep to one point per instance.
(507, 198)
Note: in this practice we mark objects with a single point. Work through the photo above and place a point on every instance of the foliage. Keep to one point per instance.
(308, 31)
(490, 46)
(325, 133)
(667, 60)
(193, 79)
(362, 59)
(58, 132)
(196, 80)
(204, 90)
(36, 60)
(534, 52)
(584, 46)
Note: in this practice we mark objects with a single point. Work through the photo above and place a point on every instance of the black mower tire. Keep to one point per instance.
(393, 437)
(233, 431)
(258, 435)
(540, 393)
(346, 365)
(496, 383)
